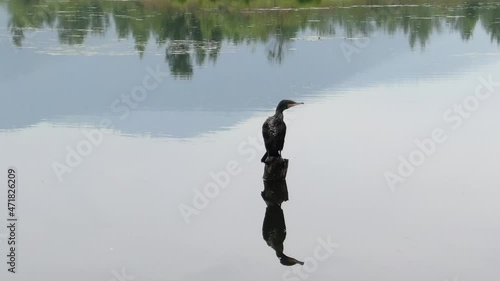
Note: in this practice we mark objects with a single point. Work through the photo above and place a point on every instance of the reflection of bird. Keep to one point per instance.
(274, 227)
(274, 233)
(286, 260)
(274, 130)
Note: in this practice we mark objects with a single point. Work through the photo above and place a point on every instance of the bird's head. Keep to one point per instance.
(286, 260)
(286, 104)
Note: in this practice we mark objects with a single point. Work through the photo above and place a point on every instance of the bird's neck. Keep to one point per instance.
(278, 114)
(279, 252)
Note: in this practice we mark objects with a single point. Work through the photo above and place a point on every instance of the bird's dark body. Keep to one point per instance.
(273, 132)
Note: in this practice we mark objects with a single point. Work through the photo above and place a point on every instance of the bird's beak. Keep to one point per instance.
(297, 103)
(292, 261)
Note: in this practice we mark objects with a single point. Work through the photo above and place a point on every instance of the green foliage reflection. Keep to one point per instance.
(192, 32)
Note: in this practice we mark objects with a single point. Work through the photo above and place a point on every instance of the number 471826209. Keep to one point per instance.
(11, 192)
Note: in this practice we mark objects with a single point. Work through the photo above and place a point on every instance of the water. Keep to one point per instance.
(117, 114)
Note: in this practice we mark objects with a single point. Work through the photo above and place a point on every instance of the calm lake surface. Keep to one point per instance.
(118, 115)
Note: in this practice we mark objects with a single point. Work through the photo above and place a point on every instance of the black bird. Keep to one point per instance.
(274, 130)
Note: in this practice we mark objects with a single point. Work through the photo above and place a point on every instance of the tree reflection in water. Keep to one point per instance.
(194, 36)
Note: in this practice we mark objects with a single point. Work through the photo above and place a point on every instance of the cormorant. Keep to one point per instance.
(274, 130)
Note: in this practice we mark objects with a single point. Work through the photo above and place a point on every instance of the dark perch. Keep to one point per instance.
(275, 169)
(275, 192)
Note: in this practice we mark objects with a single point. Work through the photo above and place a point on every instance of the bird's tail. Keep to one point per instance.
(263, 159)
